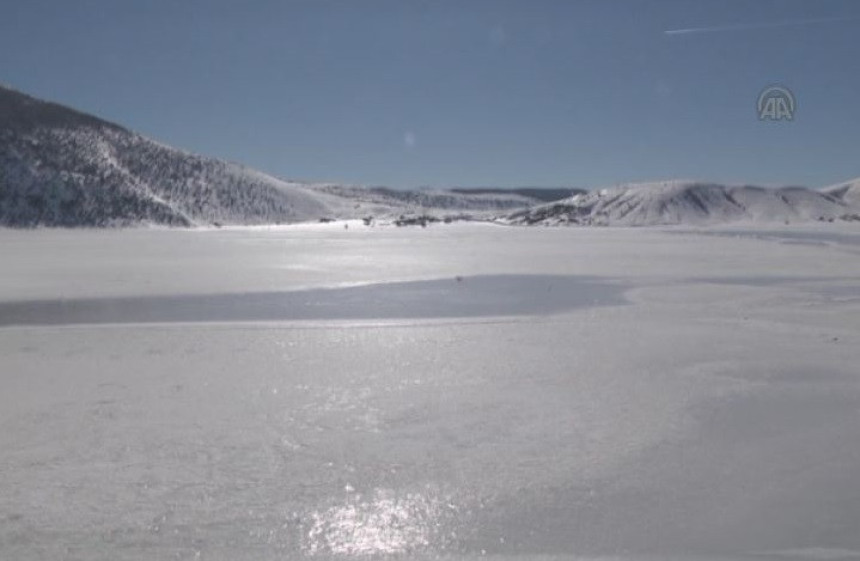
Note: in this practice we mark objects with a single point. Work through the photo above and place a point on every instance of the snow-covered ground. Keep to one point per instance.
(462, 391)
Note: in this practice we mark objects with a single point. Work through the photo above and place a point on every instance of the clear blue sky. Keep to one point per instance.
(407, 93)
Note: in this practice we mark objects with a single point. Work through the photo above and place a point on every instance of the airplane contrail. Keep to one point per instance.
(750, 26)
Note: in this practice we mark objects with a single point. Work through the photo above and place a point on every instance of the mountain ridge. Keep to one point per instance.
(693, 202)
(63, 167)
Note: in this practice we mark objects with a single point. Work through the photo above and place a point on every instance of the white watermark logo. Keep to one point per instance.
(776, 103)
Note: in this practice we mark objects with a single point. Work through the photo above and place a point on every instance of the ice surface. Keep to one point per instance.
(713, 416)
(458, 297)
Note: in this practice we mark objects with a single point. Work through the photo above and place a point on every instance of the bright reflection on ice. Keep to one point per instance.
(385, 523)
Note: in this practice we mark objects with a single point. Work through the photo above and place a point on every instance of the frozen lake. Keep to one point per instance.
(459, 297)
(456, 392)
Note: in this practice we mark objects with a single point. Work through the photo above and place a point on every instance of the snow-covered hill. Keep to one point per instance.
(428, 199)
(60, 167)
(848, 192)
(685, 202)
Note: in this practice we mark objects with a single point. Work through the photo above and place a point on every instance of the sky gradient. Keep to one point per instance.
(406, 93)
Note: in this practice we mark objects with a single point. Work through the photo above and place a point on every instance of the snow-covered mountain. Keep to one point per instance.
(848, 192)
(61, 167)
(430, 199)
(686, 202)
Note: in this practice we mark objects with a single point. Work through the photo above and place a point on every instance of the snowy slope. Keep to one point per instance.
(685, 202)
(60, 167)
(395, 200)
(848, 192)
